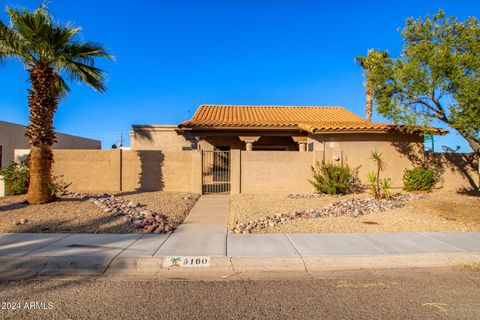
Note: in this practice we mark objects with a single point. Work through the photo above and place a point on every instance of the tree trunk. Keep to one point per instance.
(368, 104)
(473, 144)
(42, 101)
(40, 190)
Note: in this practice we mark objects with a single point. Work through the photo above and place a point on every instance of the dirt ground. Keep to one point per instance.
(81, 216)
(438, 211)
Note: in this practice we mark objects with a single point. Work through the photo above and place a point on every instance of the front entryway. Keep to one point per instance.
(216, 172)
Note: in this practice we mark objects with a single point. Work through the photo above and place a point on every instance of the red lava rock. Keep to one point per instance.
(149, 229)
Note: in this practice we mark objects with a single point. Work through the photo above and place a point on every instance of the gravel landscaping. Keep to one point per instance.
(439, 211)
(157, 212)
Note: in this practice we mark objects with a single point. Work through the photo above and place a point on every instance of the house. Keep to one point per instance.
(266, 137)
(12, 136)
(256, 149)
(271, 128)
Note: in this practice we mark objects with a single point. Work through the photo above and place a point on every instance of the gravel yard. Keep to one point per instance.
(439, 211)
(81, 216)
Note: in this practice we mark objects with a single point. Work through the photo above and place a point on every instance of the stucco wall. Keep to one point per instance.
(251, 172)
(125, 170)
(12, 136)
(457, 171)
(275, 172)
(157, 170)
(354, 150)
(163, 138)
(88, 170)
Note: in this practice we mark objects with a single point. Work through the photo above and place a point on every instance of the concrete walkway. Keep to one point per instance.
(46, 254)
(204, 231)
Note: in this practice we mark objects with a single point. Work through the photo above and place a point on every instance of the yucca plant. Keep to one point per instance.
(386, 186)
(50, 52)
(379, 188)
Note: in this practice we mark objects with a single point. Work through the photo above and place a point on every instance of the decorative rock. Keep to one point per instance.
(149, 228)
(351, 207)
(133, 204)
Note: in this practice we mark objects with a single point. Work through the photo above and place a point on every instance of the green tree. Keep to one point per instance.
(437, 76)
(50, 52)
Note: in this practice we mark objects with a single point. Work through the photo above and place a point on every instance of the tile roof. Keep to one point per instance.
(313, 119)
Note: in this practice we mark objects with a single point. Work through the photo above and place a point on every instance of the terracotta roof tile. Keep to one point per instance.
(308, 118)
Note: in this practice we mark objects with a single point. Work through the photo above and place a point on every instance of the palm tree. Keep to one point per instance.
(368, 85)
(49, 52)
(368, 93)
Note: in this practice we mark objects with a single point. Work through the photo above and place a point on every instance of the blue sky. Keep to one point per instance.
(174, 55)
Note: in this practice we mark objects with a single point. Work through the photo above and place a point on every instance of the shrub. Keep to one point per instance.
(16, 177)
(331, 178)
(59, 187)
(419, 179)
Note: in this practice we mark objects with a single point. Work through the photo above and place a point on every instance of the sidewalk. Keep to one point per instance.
(23, 255)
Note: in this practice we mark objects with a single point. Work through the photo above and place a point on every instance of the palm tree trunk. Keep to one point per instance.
(39, 190)
(42, 102)
(368, 104)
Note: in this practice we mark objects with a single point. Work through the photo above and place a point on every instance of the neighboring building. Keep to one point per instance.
(272, 128)
(12, 136)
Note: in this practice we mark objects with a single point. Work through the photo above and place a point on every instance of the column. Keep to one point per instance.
(249, 141)
(302, 142)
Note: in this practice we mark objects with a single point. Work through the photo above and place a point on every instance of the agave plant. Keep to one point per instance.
(50, 52)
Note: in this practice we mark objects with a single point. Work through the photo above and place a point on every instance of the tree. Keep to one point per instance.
(364, 63)
(437, 76)
(49, 52)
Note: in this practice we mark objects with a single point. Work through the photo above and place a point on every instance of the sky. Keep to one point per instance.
(172, 56)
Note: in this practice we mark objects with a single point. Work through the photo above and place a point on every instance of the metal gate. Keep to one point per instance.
(215, 172)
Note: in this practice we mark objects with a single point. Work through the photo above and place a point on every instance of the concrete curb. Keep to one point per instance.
(153, 266)
(24, 267)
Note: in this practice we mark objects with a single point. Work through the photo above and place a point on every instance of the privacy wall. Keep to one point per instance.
(250, 172)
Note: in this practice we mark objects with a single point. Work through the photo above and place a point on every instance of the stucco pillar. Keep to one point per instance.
(302, 143)
(196, 171)
(2, 187)
(235, 171)
(249, 141)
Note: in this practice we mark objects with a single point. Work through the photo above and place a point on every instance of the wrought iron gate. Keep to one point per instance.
(215, 172)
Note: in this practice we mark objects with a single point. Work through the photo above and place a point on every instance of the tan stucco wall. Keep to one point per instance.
(275, 171)
(355, 149)
(157, 170)
(457, 171)
(163, 138)
(125, 170)
(88, 170)
(12, 136)
(251, 172)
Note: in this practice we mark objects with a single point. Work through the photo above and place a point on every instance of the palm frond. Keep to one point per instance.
(90, 75)
(85, 52)
(34, 37)
(13, 44)
(61, 87)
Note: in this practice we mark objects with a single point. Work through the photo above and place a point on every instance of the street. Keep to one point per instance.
(452, 293)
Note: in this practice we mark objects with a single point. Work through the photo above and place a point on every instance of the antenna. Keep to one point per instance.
(121, 140)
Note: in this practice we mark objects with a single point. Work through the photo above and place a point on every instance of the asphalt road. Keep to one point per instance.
(397, 294)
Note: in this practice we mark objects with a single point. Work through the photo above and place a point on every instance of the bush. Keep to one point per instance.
(334, 179)
(16, 177)
(419, 179)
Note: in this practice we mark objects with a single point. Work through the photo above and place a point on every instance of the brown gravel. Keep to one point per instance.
(439, 211)
(81, 216)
